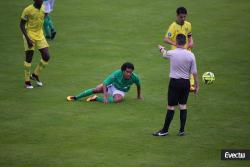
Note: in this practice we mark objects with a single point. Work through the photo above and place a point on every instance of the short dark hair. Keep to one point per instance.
(181, 39)
(127, 65)
(181, 10)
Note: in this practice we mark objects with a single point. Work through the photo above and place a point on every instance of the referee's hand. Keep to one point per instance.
(196, 89)
(162, 49)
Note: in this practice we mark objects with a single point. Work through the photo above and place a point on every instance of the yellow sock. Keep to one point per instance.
(191, 80)
(40, 66)
(27, 67)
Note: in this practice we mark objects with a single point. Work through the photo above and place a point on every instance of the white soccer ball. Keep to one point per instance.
(208, 77)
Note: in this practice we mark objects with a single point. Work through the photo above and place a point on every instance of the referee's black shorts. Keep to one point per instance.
(178, 91)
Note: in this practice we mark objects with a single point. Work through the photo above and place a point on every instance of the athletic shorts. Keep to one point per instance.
(40, 44)
(112, 91)
(178, 91)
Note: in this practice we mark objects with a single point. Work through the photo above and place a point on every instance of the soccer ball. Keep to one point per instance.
(208, 77)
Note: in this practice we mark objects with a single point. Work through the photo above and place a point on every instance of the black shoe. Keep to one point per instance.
(34, 77)
(160, 133)
(28, 85)
(181, 133)
(53, 35)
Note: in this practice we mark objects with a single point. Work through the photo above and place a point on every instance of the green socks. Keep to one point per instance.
(89, 92)
(84, 93)
(27, 67)
(100, 99)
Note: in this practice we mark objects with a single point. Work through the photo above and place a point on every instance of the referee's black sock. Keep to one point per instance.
(168, 119)
(183, 118)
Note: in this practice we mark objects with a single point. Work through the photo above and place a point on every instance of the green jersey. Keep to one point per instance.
(121, 83)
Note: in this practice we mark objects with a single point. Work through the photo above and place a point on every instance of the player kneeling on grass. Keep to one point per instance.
(113, 87)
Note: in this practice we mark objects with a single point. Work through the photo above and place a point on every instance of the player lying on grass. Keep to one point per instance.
(114, 87)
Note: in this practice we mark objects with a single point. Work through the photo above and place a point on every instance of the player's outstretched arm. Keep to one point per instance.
(163, 51)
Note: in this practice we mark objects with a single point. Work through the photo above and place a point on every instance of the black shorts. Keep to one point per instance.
(178, 91)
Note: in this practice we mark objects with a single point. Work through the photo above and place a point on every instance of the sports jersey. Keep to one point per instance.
(175, 29)
(121, 83)
(182, 63)
(34, 24)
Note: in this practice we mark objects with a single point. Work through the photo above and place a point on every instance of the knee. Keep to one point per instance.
(29, 56)
(46, 57)
(183, 106)
(118, 98)
(98, 88)
(170, 107)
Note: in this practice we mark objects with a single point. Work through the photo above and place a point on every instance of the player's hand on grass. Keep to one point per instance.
(105, 100)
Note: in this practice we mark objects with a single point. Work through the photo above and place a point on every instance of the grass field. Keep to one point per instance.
(38, 128)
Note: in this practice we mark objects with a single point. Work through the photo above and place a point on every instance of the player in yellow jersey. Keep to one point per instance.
(31, 25)
(181, 26)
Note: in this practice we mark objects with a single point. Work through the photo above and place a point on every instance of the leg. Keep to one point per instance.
(29, 56)
(168, 118)
(172, 101)
(97, 89)
(183, 118)
(27, 65)
(43, 62)
(45, 54)
(183, 106)
(117, 98)
(173, 94)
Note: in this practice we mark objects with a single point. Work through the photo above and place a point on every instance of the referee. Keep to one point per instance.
(182, 65)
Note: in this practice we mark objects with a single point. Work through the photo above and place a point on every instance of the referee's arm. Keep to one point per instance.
(196, 83)
(164, 52)
(195, 74)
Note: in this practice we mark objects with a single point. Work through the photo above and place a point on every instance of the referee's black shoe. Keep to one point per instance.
(181, 133)
(160, 133)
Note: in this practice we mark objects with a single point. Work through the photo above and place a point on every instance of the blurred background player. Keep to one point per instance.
(31, 25)
(113, 87)
(180, 26)
(48, 25)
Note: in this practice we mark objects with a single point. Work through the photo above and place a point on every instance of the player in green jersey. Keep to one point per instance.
(48, 25)
(114, 87)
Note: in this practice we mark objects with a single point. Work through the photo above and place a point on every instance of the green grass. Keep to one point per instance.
(39, 128)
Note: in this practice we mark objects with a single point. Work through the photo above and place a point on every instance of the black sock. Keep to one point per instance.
(168, 119)
(183, 118)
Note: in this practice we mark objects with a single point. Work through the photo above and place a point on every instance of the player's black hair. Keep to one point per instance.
(181, 10)
(181, 39)
(127, 65)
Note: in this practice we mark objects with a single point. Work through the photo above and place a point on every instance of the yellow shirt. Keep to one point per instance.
(34, 18)
(175, 29)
